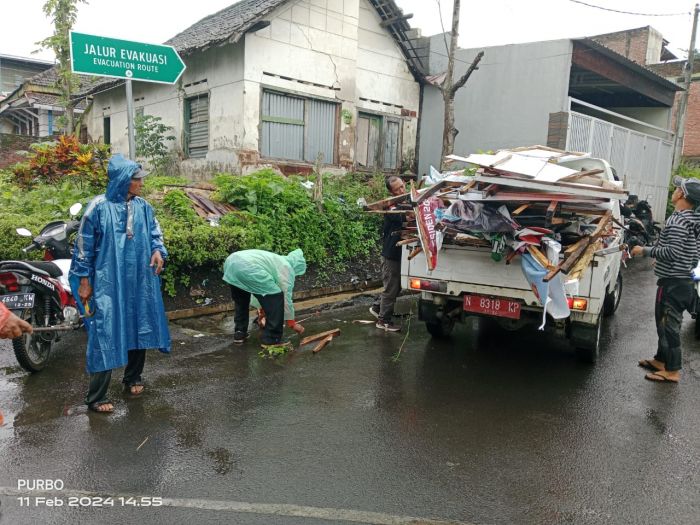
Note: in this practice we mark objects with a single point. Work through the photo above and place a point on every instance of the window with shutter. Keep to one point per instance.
(197, 126)
(297, 128)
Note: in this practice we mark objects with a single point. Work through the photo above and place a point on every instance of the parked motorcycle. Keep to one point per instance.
(640, 227)
(39, 292)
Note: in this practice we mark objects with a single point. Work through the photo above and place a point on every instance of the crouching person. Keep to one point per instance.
(269, 278)
(115, 273)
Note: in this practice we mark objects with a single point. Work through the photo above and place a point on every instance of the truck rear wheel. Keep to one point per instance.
(586, 340)
(612, 299)
(440, 328)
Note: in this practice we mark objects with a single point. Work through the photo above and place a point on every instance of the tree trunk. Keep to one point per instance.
(449, 87)
(448, 131)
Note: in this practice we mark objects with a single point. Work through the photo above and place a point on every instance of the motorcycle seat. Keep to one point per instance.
(46, 267)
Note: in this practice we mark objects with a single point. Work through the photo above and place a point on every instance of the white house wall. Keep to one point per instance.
(333, 50)
(217, 72)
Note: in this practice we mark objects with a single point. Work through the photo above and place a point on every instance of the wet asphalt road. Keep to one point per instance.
(489, 427)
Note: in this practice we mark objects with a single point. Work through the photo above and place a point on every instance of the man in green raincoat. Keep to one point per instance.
(270, 279)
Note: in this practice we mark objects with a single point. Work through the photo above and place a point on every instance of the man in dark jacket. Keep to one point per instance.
(391, 262)
(676, 254)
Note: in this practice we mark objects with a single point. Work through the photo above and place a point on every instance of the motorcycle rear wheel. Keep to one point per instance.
(32, 350)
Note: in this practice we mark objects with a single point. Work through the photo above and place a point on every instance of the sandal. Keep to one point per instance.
(134, 390)
(649, 365)
(99, 407)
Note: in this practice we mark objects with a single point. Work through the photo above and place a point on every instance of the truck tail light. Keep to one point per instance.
(577, 303)
(9, 282)
(430, 286)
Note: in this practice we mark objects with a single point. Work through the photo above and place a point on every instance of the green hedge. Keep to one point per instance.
(274, 213)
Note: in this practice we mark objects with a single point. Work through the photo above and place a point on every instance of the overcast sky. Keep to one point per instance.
(483, 22)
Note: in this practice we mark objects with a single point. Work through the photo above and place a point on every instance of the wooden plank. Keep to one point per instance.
(408, 241)
(573, 247)
(392, 21)
(585, 259)
(582, 246)
(511, 255)
(540, 257)
(551, 210)
(467, 187)
(312, 338)
(521, 209)
(490, 190)
(531, 197)
(322, 344)
(415, 252)
(428, 193)
(568, 188)
(386, 203)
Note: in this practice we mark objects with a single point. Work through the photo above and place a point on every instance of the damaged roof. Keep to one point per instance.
(225, 26)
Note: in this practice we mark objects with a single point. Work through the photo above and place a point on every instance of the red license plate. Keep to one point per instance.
(495, 306)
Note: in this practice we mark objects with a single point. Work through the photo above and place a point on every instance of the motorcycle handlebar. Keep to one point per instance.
(33, 246)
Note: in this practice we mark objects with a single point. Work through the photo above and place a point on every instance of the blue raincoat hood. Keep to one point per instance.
(119, 172)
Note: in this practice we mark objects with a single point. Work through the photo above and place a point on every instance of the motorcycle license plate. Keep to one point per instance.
(495, 306)
(18, 301)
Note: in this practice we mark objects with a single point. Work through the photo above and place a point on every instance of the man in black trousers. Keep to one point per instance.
(383, 309)
(676, 254)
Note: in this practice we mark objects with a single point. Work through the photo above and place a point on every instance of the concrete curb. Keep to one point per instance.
(303, 301)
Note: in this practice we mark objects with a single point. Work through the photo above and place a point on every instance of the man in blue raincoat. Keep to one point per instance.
(270, 279)
(118, 257)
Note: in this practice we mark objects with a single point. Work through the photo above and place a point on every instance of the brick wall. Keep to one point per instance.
(691, 142)
(556, 134)
(631, 44)
(12, 145)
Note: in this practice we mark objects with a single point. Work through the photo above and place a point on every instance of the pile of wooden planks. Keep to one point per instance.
(531, 193)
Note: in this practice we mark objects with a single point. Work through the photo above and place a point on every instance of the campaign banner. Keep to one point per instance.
(429, 236)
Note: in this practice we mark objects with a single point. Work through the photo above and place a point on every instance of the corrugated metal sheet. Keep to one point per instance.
(320, 131)
(283, 126)
(198, 127)
(642, 161)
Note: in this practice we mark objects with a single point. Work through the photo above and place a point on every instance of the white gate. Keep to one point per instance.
(642, 162)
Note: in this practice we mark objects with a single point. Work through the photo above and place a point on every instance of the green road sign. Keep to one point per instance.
(111, 57)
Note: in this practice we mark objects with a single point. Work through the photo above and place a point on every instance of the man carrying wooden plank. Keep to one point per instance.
(383, 309)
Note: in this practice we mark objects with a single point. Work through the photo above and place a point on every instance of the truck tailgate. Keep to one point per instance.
(472, 270)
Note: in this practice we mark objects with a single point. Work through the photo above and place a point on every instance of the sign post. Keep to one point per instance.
(112, 57)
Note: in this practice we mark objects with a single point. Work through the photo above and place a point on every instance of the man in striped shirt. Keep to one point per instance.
(676, 254)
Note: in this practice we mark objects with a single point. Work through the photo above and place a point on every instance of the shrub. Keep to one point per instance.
(284, 216)
(151, 138)
(51, 162)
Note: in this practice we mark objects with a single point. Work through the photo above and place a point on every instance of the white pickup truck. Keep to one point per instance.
(468, 282)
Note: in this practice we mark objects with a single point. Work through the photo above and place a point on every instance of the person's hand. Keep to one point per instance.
(84, 290)
(157, 261)
(261, 318)
(636, 251)
(14, 327)
(298, 328)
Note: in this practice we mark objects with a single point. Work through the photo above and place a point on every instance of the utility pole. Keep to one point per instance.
(683, 102)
